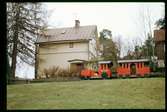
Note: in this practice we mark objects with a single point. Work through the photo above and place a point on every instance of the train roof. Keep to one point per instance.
(76, 61)
(138, 60)
(104, 62)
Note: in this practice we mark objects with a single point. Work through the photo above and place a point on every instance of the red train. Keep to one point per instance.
(125, 68)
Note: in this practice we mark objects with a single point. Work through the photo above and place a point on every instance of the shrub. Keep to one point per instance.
(50, 72)
(55, 71)
(46, 72)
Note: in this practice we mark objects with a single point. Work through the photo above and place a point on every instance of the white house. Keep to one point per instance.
(66, 47)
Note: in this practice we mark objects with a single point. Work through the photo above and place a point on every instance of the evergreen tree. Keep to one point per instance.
(24, 22)
(160, 23)
(110, 50)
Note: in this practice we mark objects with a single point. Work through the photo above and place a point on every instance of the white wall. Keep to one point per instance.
(59, 54)
(92, 48)
(64, 47)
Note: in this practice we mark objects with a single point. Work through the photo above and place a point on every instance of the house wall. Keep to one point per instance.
(159, 37)
(93, 46)
(92, 49)
(58, 54)
(160, 50)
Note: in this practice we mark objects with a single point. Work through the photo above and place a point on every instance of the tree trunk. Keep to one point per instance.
(36, 61)
(8, 70)
(15, 40)
(14, 57)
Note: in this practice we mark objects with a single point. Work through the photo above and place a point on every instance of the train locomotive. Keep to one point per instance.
(124, 68)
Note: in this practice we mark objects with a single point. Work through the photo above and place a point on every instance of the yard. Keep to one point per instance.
(137, 93)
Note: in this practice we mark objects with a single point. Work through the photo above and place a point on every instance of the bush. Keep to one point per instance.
(55, 72)
(46, 72)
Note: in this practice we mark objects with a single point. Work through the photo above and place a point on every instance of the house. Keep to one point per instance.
(159, 38)
(66, 47)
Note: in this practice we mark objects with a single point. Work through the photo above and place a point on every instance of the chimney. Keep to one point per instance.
(77, 23)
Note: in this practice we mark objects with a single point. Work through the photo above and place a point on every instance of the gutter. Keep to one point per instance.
(63, 41)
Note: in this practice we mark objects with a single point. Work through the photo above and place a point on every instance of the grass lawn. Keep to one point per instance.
(138, 93)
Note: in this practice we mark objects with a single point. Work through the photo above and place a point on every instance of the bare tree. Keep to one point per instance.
(119, 43)
(145, 24)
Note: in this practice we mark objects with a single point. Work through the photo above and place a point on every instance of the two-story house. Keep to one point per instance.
(66, 47)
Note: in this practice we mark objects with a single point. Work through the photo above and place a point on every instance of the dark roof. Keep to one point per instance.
(69, 33)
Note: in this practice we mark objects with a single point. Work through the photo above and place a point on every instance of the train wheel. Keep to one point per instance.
(138, 75)
(127, 76)
(88, 77)
(119, 76)
(142, 76)
(82, 77)
(146, 75)
(124, 76)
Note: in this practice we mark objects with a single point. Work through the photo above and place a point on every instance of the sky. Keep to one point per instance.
(125, 20)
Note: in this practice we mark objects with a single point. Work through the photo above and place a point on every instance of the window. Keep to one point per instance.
(138, 65)
(71, 45)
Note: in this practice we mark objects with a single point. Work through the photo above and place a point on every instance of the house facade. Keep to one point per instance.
(66, 48)
(159, 38)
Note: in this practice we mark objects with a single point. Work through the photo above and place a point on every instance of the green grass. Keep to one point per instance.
(139, 93)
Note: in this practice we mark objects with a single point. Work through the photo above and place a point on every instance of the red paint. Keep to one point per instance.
(124, 70)
(87, 73)
(104, 68)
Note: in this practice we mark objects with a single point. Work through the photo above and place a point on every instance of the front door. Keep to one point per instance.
(79, 67)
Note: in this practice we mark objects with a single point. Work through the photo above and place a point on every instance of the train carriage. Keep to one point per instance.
(97, 69)
(104, 69)
(125, 68)
(128, 68)
(90, 70)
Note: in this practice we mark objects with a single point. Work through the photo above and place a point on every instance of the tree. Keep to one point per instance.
(8, 70)
(110, 50)
(24, 22)
(137, 52)
(149, 46)
(119, 45)
(105, 33)
(145, 23)
(160, 23)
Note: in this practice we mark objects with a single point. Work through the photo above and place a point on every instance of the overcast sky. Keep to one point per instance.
(123, 19)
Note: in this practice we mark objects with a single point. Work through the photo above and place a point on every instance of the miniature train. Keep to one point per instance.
(124, 68)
